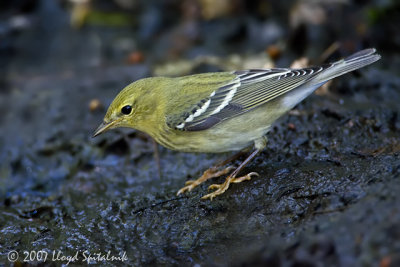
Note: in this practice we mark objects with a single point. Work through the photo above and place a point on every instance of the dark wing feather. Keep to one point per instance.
(248, 90)
(252, 88)
(257, 89)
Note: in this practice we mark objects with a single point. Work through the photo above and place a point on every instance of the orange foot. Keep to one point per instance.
(208, 174)
(221, 188)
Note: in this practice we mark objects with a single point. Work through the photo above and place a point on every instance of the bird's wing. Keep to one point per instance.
(251, 88)
(247, 90)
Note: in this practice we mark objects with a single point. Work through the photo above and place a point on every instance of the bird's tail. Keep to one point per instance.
(350, 63)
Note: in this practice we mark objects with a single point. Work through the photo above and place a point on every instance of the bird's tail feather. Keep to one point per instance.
(350, 63)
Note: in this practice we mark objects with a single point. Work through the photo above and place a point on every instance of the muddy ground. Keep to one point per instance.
(328, 190)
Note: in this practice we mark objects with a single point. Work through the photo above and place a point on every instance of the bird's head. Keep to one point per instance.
(133, 107)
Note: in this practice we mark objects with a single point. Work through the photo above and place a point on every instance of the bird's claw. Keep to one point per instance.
(189, 185)
(221, 188)
(208, 174)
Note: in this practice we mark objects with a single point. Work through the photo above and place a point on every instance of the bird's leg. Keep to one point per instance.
(221, 188)
(212, 172)
(157, 157)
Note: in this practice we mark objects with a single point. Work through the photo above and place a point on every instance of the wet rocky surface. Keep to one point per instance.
(327, 194)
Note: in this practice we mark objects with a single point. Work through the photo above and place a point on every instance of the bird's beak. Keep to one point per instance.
(103, 127)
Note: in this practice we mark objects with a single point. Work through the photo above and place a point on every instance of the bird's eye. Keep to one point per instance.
(126, 110)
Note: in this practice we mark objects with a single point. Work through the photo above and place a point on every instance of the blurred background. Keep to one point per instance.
(327, 191)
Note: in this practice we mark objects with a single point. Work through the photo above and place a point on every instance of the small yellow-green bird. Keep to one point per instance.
(220, 111)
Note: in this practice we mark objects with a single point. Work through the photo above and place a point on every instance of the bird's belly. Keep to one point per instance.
(210, 141)
(233, 134)
(233, 140)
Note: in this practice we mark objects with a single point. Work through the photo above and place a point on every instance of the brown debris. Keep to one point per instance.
(390, 147)
(274, 52)
(135, 57)
(95, 105)
(291, 126)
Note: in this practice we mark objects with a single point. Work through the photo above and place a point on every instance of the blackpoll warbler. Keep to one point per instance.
(221, 111)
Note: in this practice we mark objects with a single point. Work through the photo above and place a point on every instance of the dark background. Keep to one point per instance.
(328, 191)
